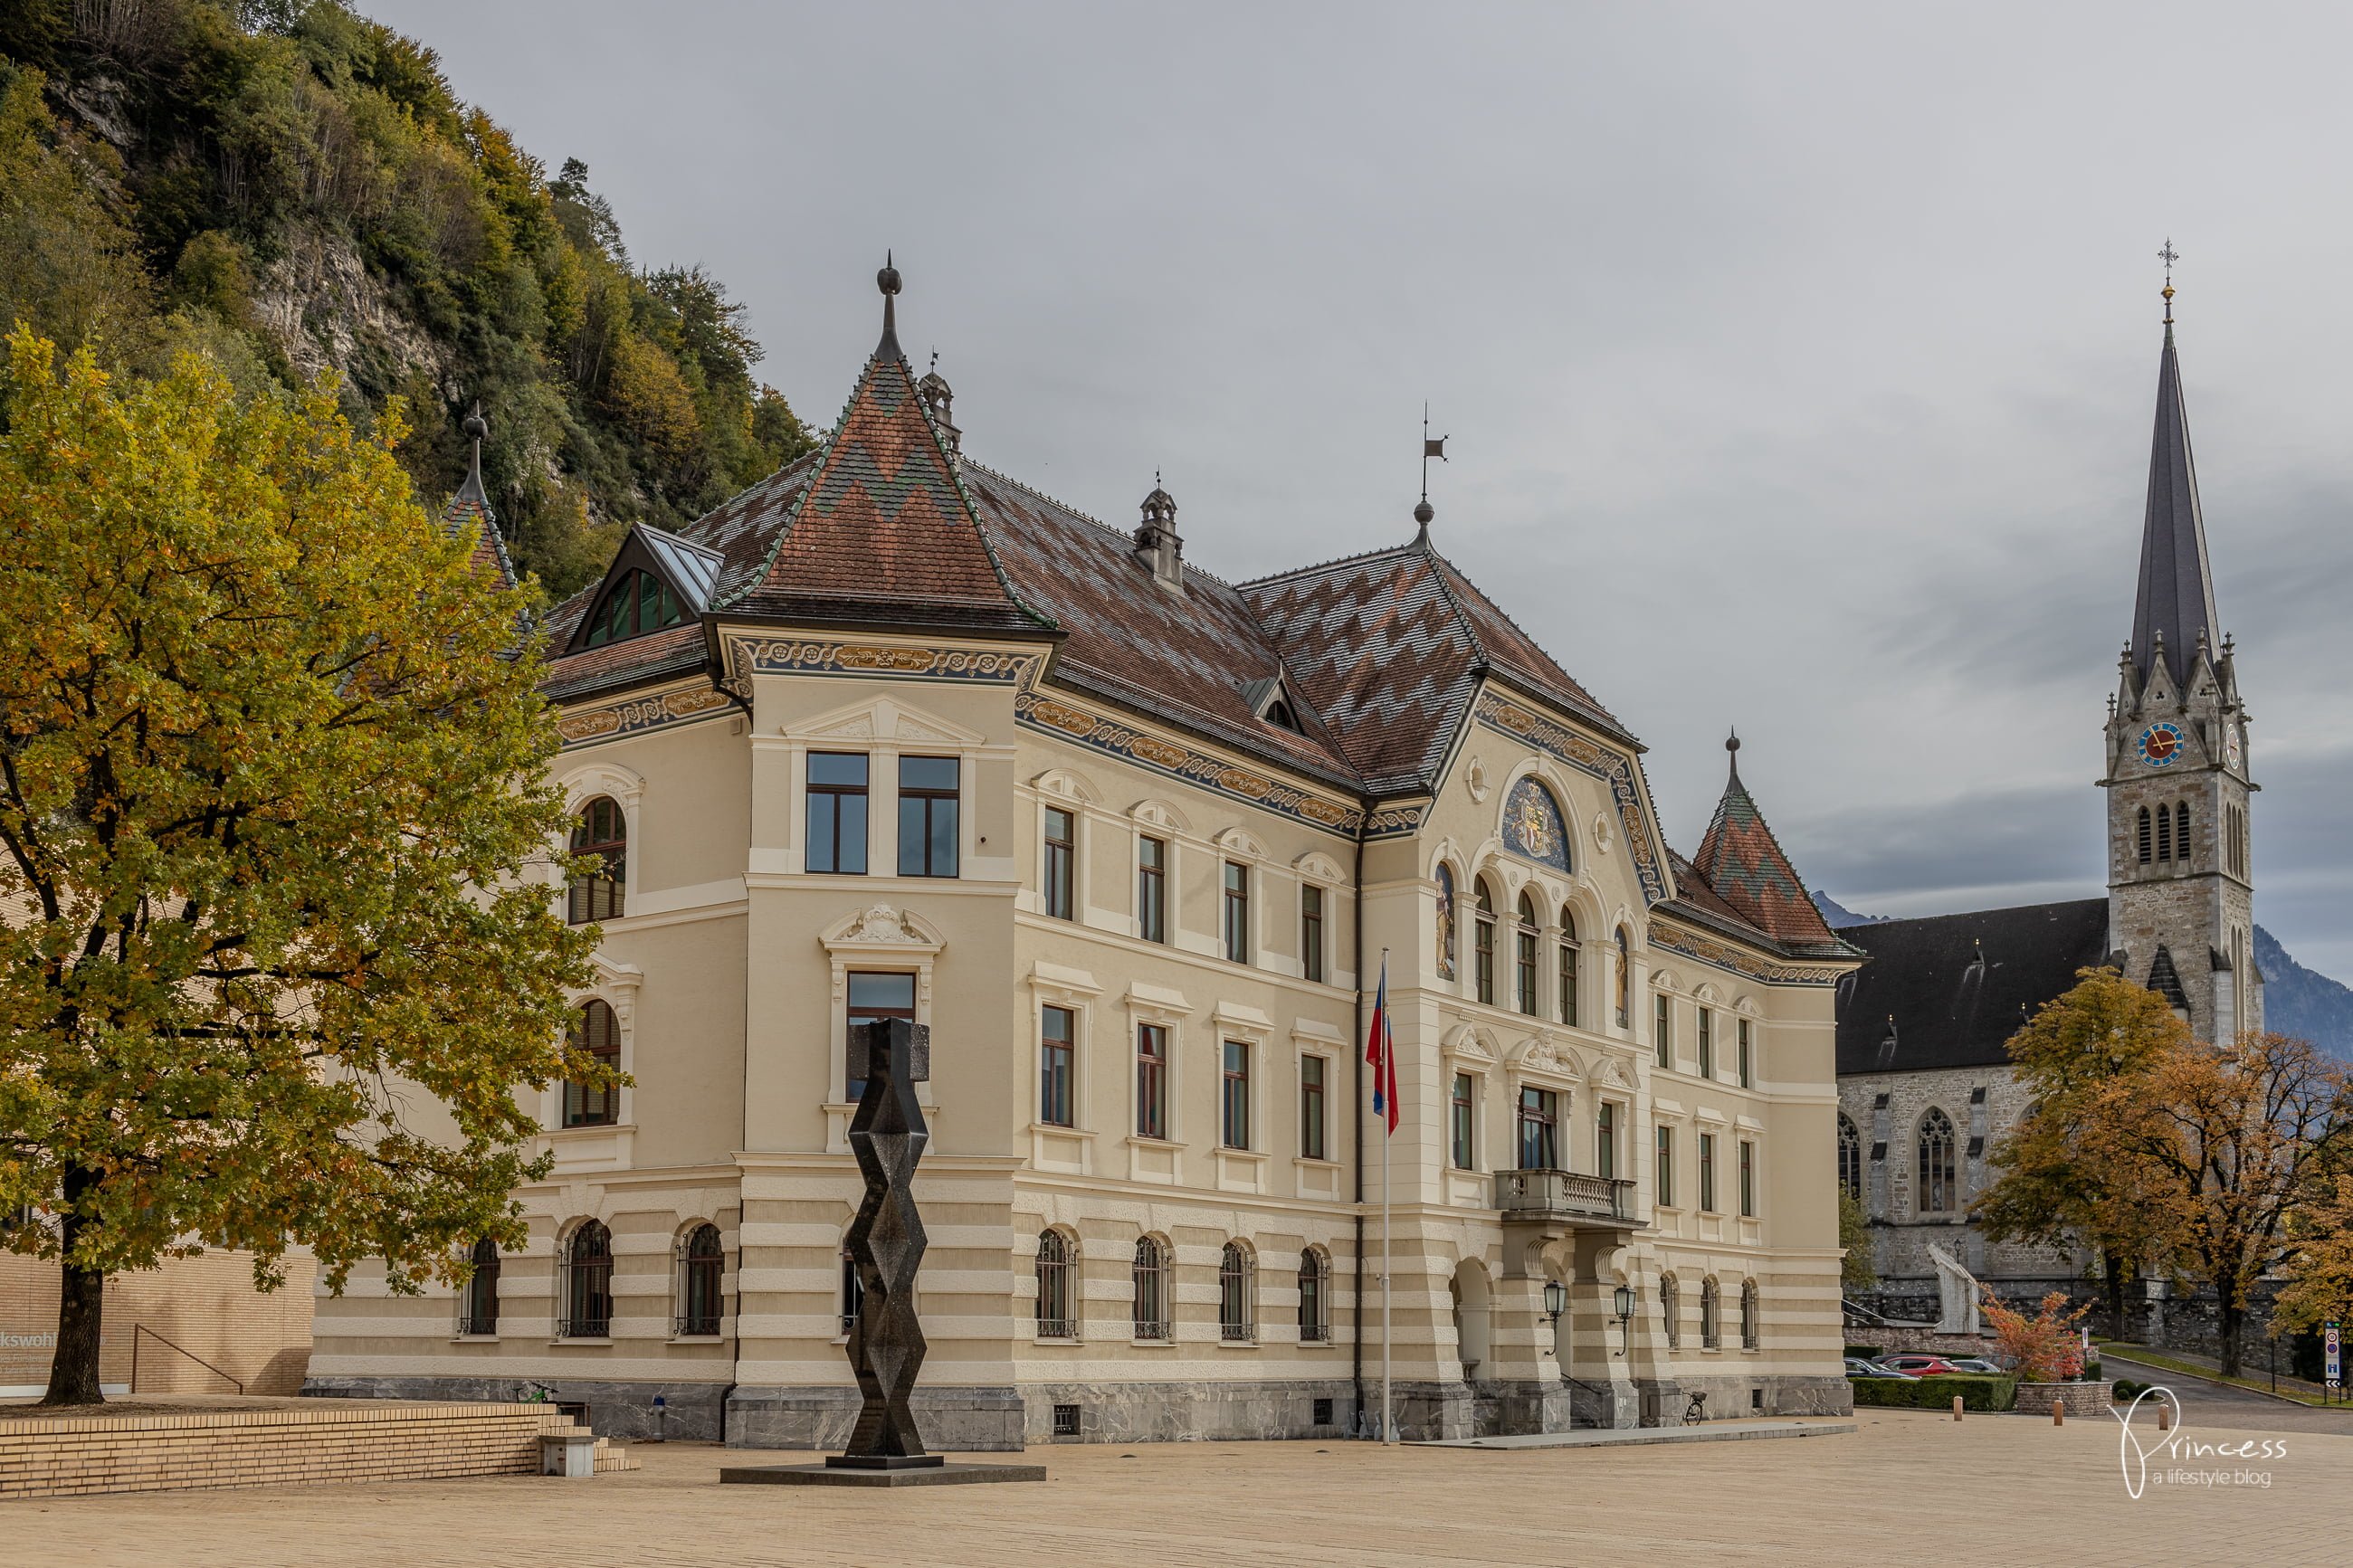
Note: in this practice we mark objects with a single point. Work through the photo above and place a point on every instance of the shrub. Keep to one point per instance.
(2045, 1348)
(2126, 1390)
(1978, 1391)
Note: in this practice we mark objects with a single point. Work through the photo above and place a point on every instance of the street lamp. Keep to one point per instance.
(1556, 1298)
(1624, 1301)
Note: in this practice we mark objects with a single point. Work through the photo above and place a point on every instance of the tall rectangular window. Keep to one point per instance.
(1747, 1179)
(1152, 888)
(837, 812)
(1311, 932)
(1523, 969)
(877, 996)
(927, 815)
(1605, 1140)
(1707, 1172)
(1666, 1198)
(1234, 1096)
(1059, 875)
(1461, 1108)
(1539, 1130)
(1748, 1056)
(1568, 982)
(1151, 1081)
(1237, 913)
(1057, 1032)
(1312, 1073)
(1663, 1029)
(1707, 1042)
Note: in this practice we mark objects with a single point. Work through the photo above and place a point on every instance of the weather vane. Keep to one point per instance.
(2169, 256)
(1423, 512)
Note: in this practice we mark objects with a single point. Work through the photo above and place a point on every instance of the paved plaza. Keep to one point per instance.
(1906, 1487)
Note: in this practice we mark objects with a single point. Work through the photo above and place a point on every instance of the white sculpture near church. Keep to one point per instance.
(1956, 1294)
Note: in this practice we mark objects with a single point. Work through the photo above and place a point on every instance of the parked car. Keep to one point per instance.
(1856, 1366)
(1971, 1363)
(1920, 1364)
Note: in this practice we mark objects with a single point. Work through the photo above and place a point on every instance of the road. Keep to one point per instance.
(2220, 1405)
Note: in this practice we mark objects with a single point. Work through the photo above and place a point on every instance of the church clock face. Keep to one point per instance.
(2230, 746)
(2160, 744)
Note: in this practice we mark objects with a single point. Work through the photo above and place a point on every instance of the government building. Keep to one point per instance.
(891, 735)
(1926, 1088)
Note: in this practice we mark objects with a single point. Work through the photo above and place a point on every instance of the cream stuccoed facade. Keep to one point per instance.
(1169, 831)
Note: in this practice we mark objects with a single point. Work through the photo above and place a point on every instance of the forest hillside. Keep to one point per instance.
(294, 188)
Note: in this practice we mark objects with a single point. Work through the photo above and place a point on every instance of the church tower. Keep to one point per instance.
(2181, 886)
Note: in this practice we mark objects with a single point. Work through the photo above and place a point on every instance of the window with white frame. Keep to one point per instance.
(1057, 1030)
(1314, 1072)
(1151, 1080)
(1234, 1095)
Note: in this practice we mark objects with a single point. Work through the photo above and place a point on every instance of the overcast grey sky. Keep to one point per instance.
(1798, 361)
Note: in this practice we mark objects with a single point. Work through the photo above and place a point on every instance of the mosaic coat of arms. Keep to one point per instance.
(1533, 827)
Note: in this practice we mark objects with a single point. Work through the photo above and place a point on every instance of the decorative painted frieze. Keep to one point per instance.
(869, 660)
(1692, 944)
(607, 720)
(1590, 757)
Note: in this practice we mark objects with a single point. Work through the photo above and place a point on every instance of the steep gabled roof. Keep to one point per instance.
(1948, 991)
(472, 505)
(2175, 603)
(883, 530)
(1744, 864)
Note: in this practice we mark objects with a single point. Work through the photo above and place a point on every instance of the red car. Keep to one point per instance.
(1919, 1365)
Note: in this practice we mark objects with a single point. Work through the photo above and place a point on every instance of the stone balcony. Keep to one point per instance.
(1565, 1199)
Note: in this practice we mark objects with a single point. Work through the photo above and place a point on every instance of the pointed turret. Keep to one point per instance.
(1743, 862)
(883, 534)
(471, 504)
(2176, 603)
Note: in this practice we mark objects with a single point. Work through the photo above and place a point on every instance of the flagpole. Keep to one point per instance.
(1388, 1077)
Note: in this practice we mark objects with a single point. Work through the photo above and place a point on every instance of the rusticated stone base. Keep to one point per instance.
(1190, 1412)
(951, 1420)
(2082, 1399)
(689, 1412)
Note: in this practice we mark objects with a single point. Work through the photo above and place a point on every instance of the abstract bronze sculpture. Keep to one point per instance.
(887, 1135)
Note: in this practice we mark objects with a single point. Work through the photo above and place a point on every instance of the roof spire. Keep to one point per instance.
(476, 428)
(2175, 603)
(1732, 750)
(888, 281)
(1423, 511)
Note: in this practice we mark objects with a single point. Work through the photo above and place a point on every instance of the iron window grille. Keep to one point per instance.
(1236, 1320)
(479, 1314)
(1313, 1326)
(597, 1034)
(1750, 1337)
(702, 1266)
(837, 812)
(928, 813)
(1054, 1319)
(588, 1284)
(600, 829)
(1710, 1328)
(1066, 1420)
(1151, 1278)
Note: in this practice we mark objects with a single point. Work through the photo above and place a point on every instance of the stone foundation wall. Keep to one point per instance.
(2082, 1399)
(1190, 1412)
(691, 1412)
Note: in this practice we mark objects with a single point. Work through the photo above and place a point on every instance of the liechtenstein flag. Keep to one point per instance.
(1380, 1050)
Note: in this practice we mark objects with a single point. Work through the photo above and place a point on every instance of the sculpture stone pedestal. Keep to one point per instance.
(886, 1243)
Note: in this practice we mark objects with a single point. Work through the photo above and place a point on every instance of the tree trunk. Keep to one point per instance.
(2233, 1319)
(81, 1308)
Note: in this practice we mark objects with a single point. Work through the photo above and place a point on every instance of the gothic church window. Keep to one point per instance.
(1939, 1188)
(2182, 830)
(1850, 1157)
(2144, 836)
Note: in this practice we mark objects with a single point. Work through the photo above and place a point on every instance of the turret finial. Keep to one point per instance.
(888, 281)
(1732, 753)
(1423, 511)
(2169, 256)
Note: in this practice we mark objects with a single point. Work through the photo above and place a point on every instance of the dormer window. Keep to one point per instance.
(638, 604)
(1270, 702)
(1279, 714)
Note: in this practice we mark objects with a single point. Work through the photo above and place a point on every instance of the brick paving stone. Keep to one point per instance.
(1908, 1486)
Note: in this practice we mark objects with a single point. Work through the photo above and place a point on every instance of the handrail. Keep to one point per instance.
(139, 1329)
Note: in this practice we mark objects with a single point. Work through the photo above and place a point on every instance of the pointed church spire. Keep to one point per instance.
(476, 428)
(2174, 606)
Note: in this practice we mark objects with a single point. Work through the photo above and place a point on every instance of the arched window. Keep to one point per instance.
(1850, 1157)
(1711, 1324)
(1054, 1319)
(1237, 1287)
(637, 603)
(2182, 830)
(1751, 1328)
(1313, 1275)
(600, 830)
(588, 1284)
(1938, 1188)
(702, 1265)
(1445, 923)
(598, 1035)
(1567, 968)
(2147, 854)
(1483, 940)
(478, 1308)
(1523, 957)
(1625, 979)
(1151, 1289)
(2164, 834)
(1670, 1310)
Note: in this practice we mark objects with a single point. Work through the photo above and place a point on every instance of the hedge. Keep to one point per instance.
(1978, 1391)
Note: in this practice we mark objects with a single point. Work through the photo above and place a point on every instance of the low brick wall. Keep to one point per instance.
(155, 1447)
(2080, 1398)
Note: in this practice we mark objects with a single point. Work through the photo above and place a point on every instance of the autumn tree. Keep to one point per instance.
(274, 962)
(2051, 1190)
(1857, 1271)
(2320, 1265)
(2221, 1143)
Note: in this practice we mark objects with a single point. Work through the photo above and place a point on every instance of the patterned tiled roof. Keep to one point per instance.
(671, 651)
(471, 507)
(883, 531)
(1743, 865)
